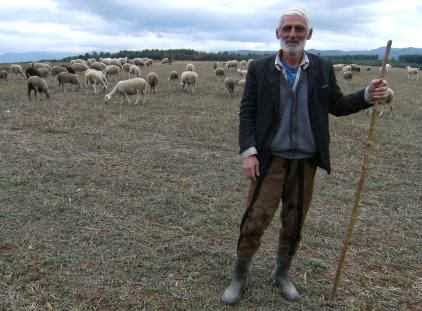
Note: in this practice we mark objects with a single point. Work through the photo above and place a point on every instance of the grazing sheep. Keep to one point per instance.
(412, 72)
(17, 70)
(165, 60)
(78, 67)
(95, 77)
(69, 69)
(148, 62)
(355, 68)
(126, 67)
(32, 71)
(112, 70)
(230, 84)
(189, 79)
(37, 84)
(347, 75)
(219, 72)
(174, 78)
(241, 82)
(3, 74)
(152, 79)
(98, 66)
(44, 72)
(57, 69)
(135, 71)
(190, 67)
(135, 86)
(67, 77)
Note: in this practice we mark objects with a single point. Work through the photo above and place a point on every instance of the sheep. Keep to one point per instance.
(338, 67)
(135, 71)
(412, 72)
(57, 69)
(241, 82)
(347, 68)
(230, 84)
(126, 67)
(78, 67)
(3, 74)
(67, 77)
(32, 71)
(112, 70)
(219, 72)
(165, 60)
(355, 67)
(98, 66)
(69, 69)
(148, 62)
(189, 79)
(347, 75)
(152, 79)
(44, 72)
(387, 68)
(242, 72)
(17, 70)
(41, 65)
(128, 87)
(243, 65)
(190, 67)
(232, 65)
(139, 62)
(37, 84)
(173, 78)
(95, 77)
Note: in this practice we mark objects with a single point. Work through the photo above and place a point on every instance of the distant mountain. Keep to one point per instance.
(32, 56)
(395, 52)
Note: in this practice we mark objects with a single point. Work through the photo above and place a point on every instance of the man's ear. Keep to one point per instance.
(277, 34)
(310, 34)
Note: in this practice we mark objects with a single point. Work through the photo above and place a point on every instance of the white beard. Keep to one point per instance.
(293, 49)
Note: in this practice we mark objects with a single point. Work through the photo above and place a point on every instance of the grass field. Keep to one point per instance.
(124, 207)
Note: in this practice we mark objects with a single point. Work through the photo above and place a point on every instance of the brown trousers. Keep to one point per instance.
(290, 181)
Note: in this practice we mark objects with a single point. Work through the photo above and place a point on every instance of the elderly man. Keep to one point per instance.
(284, 137)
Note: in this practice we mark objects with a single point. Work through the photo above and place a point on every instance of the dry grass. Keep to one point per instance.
(123, 207)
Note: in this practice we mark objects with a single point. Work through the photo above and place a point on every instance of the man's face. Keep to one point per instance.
(293, 34)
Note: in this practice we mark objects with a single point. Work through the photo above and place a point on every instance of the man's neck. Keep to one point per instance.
(291, 60)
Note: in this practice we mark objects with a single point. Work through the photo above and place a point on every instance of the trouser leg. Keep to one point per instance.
(263, 200)
(296, 199)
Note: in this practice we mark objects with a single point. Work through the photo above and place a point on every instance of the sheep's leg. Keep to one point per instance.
(127, 98)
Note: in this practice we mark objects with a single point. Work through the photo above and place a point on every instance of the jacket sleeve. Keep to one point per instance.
(339, 104)
(248, 110)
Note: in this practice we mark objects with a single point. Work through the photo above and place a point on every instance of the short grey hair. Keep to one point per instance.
(297, 12)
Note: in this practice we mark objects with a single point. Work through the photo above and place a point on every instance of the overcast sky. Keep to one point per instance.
(215, 25)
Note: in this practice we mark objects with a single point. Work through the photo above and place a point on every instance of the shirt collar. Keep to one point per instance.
(303, 64)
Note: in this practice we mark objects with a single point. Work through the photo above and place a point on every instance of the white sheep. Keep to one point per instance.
(219, 72)
(79, 67)
(242, 72)
(412, 72)
(37, 84)
(95, 77)
(165, 60)
(189, 79)
(135, 86)
(232, 65)
(152, 79)
(230, 84)
(112, 70)
(347, 75)
(173, 78)
(57, 69)
(67, 77)
(241, 82)
(135, 71)
(338, 67)
(190, 67)
(98, 66)
(17, 70)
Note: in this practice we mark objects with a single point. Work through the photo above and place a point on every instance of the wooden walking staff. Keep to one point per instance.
(363, 175)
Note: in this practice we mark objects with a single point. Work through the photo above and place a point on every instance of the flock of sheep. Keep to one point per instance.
(100, 73)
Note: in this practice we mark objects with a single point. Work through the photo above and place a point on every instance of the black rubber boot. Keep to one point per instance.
(234, 292)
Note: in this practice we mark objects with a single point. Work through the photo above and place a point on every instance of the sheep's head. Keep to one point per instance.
(107, 98)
